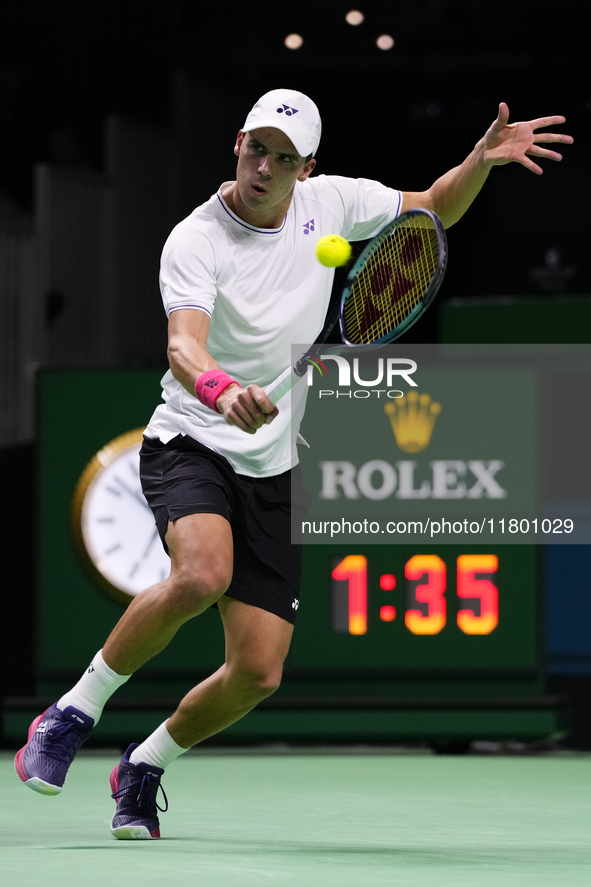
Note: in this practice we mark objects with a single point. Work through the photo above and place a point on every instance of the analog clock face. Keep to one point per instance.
(112, 522)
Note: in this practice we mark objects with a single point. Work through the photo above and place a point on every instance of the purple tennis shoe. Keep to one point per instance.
(134, 787)
(54, 738)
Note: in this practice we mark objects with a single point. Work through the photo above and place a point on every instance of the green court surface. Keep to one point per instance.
(243, 820)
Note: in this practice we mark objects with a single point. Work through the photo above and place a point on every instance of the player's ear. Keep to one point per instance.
(308, 167)
(239, 140)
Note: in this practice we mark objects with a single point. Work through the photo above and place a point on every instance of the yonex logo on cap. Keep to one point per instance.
(292, 112)
(309, 226)
(289, 112)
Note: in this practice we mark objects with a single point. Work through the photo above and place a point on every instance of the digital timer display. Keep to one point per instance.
(425, 601)
(397, 608)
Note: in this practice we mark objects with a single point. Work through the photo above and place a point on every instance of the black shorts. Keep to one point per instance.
(185, 477)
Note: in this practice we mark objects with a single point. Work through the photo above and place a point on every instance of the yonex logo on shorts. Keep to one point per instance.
(289, 112)
(295, 603)
(309, 226)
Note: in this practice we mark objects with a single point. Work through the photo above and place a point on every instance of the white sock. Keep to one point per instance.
(159, 749)
(97, 684)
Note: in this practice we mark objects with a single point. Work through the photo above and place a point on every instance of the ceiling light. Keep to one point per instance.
(384, 41)
(293, 41)
(354, 17)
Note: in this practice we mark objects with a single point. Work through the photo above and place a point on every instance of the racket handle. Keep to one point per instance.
(277, 389)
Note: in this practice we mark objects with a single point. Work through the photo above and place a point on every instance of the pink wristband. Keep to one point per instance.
(210, 385)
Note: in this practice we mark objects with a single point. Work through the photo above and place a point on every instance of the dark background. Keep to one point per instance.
(414, 109)
(402, 116)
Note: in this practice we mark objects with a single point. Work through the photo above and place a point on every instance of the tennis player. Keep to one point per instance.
(240, 282)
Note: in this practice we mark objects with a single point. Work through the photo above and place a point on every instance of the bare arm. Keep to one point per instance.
(452, 194)
(188, 357)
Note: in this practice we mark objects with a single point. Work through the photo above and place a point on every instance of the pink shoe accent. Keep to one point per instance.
(20, 770)
(18, 765)
(114, 780)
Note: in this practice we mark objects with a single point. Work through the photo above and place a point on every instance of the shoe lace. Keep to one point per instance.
(67, 734)
(146, 795)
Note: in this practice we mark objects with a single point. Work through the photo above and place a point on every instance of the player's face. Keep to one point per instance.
(268, 168)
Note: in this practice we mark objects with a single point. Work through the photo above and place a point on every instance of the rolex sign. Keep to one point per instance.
(429, 436)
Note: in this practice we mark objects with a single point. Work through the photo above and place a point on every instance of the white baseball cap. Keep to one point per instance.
(293, 113)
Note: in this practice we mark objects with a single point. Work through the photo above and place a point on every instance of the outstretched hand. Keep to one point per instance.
(506, 142)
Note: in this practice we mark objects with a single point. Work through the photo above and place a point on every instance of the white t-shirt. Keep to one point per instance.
(264, 290)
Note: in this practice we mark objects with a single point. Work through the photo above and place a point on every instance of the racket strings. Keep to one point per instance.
(393, 281)
(392, 284)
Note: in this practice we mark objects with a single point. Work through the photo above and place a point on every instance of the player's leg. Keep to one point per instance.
(201, 552)
(257, 643)
(258, 614)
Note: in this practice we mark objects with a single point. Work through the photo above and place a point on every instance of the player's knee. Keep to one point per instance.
(268, 682)
(191, 589)
(261, 681)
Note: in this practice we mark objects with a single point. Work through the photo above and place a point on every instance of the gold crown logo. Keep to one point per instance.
(413, 418)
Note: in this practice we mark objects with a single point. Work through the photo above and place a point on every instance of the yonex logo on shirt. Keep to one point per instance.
(309, 226)
(289, 112)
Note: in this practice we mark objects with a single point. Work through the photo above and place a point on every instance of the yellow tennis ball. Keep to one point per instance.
(333, 250)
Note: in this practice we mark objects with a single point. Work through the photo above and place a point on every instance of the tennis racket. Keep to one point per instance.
(389, 287)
